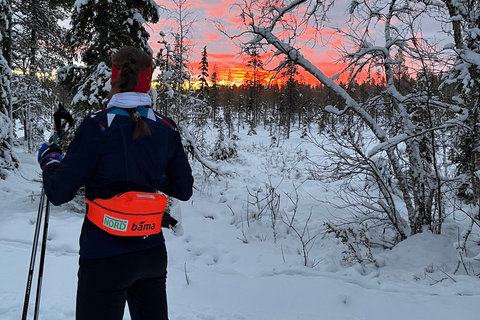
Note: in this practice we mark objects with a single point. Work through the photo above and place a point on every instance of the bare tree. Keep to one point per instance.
(399, 153)
(182, 105)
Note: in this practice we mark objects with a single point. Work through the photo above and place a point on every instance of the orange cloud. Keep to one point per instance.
(209, 36)
(224, 53)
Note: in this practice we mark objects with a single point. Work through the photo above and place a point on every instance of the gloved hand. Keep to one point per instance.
(48, 154)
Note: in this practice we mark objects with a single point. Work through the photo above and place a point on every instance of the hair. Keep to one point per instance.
(130, 62)
(141, 127)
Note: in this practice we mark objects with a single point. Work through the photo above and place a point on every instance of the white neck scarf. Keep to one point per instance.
(130, 100)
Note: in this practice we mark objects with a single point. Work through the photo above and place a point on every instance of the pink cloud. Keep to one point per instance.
(224, 53)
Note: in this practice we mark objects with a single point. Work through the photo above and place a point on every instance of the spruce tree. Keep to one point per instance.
(37, 52)
(98, 28)
(8, 160)
(228, 102)
(37, 45)
(290, 96)
(164, 88)
(214, 93)
(465, 75)
(254, 83)
(204, 89)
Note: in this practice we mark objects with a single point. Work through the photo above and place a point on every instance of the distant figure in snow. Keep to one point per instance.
(60, 113)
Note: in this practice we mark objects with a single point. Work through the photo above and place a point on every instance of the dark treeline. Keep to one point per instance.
(287, 101)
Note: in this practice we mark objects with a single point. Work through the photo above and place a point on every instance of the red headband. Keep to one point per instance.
(144, 79)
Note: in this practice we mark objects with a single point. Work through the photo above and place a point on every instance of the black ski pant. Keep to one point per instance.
(139, 278)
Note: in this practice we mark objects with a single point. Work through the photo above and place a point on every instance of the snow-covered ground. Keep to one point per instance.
(224, 268)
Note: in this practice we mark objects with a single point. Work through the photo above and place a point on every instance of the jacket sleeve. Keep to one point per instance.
(61, 181)
(178, 181)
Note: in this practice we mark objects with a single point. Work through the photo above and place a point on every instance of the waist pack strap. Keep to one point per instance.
(128, 214)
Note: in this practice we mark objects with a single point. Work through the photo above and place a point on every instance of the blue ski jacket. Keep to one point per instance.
(105, 158)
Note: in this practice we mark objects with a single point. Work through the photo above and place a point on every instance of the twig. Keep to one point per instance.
(446, 274)
(187, 279)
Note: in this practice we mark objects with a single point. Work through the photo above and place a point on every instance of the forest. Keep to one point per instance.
(400, 125)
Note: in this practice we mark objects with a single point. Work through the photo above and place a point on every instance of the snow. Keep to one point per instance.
(223, 268)
(79, 3)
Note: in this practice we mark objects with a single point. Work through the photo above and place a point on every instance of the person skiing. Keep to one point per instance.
(123, 155)
(60, 113)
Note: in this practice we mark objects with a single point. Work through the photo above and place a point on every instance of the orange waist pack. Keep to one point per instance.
(128, 214)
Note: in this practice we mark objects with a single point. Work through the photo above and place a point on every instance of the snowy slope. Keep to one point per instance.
(224, 269)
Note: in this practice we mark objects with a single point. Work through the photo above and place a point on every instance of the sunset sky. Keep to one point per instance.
(222, 51)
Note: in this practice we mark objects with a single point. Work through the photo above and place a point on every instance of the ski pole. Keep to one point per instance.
(42, 260)
(42, 255)
(33, 255)
(42, 204)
